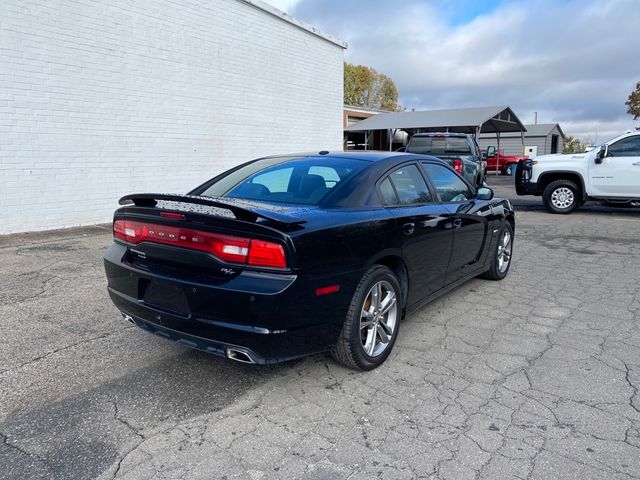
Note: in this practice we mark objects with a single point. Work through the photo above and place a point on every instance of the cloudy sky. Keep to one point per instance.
(573, 62)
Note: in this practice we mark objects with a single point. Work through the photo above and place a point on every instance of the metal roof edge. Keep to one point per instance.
(543, 133)
(480, 116)
(265, 7)
(355, 108)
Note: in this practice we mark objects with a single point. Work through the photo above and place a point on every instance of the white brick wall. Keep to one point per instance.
(99, 98)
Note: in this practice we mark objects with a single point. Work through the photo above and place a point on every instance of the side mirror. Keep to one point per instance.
(484, 193)
(603, 152)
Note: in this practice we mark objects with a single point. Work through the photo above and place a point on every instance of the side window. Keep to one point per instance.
(388, 193)
(449, 186)
(627, 147)
(409, 186)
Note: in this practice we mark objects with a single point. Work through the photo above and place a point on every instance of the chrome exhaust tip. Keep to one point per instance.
(239, 356)
(128, 318)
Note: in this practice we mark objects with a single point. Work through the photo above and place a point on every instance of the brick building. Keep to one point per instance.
(99, 99)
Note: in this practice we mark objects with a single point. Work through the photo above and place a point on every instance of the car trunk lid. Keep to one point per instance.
(204, 239)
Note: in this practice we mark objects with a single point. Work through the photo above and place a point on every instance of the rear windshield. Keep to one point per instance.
(305, 180)
(439, 145)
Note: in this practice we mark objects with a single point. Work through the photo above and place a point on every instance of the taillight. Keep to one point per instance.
(266, 254)
(231, 249)
(457, 165)
(259, 253)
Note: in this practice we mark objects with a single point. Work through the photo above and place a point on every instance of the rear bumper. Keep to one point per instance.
(271, 319)
(260, 348)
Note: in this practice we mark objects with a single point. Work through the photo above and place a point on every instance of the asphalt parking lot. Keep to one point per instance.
(534, 377)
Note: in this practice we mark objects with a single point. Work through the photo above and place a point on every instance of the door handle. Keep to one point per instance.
(409, 228)
(637, 164)
(457, 223)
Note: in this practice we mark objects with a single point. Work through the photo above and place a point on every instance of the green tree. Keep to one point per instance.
(388, 94)
(633, 103)
(573, 145)
(365, 87)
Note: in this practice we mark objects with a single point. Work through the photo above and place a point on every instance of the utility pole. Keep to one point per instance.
(535, 120)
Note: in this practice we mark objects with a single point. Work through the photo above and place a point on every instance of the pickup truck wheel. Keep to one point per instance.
(501, 258)
(562, 196)
(371, 326)
(508, 170)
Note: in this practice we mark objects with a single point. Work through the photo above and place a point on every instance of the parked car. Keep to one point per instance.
(609, 173)
(290, 255)
(498, 161)
(459, 150)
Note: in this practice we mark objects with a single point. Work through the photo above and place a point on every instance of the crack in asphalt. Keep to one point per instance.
(65, 348)
(15, 447)
(633, 387)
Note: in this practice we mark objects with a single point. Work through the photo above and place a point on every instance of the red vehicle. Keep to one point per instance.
(506, 164)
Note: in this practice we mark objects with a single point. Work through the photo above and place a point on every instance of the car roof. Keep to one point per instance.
(624, 135)
(631, 134)
(366, 155)
(440, 134)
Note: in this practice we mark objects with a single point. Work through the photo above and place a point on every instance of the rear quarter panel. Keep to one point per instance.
(336, 248)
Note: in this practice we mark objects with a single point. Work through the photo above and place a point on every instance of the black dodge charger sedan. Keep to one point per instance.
(290, 255)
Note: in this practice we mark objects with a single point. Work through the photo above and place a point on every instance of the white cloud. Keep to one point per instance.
(574, 62)
(284, 5)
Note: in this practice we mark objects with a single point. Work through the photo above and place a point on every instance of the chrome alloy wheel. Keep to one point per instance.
(504, 251)
(562, 197)
(378, 319)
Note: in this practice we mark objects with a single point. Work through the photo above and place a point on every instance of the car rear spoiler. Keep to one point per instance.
(241, 212)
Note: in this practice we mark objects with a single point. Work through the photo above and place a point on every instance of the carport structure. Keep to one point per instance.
(476, 120)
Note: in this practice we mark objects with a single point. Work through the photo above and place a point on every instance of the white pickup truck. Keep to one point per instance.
(610, 173)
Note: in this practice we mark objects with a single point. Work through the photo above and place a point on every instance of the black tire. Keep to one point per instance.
(562, 196)
(496, 269)
(508, 170)
(349, 349)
